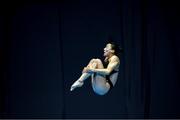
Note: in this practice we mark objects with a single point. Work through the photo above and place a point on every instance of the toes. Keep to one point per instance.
(75, 85)
(72, 88)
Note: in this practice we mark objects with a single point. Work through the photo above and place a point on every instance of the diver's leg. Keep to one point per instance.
(84, 76)
(99, 83)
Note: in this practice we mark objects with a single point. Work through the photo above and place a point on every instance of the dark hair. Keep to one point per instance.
(118, 50)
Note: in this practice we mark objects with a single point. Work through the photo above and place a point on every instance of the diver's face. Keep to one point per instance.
(107, 50)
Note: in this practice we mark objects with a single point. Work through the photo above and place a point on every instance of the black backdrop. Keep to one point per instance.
(45, 45)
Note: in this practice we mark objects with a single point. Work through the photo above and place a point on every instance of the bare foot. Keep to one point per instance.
(76, 84)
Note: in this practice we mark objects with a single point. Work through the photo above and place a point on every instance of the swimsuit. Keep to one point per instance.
(108, 76)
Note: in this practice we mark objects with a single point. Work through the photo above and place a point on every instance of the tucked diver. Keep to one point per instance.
(103, 77)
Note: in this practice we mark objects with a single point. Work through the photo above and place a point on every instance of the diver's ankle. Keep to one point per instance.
(81, 81)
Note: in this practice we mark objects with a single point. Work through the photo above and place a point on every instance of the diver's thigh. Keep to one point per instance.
(99, 63)
(99, 84)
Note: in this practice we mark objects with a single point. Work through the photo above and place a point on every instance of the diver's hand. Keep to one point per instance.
(87, 70)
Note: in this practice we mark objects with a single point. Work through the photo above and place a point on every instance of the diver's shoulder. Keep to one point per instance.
(114, 57)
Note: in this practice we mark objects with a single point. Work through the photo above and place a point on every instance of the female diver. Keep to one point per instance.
(103, 77)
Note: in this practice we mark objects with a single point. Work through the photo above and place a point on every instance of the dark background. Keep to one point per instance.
(45, 45)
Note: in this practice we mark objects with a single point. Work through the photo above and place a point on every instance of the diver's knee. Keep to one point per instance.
(92, 60)
(95, 60)
(98, 60)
